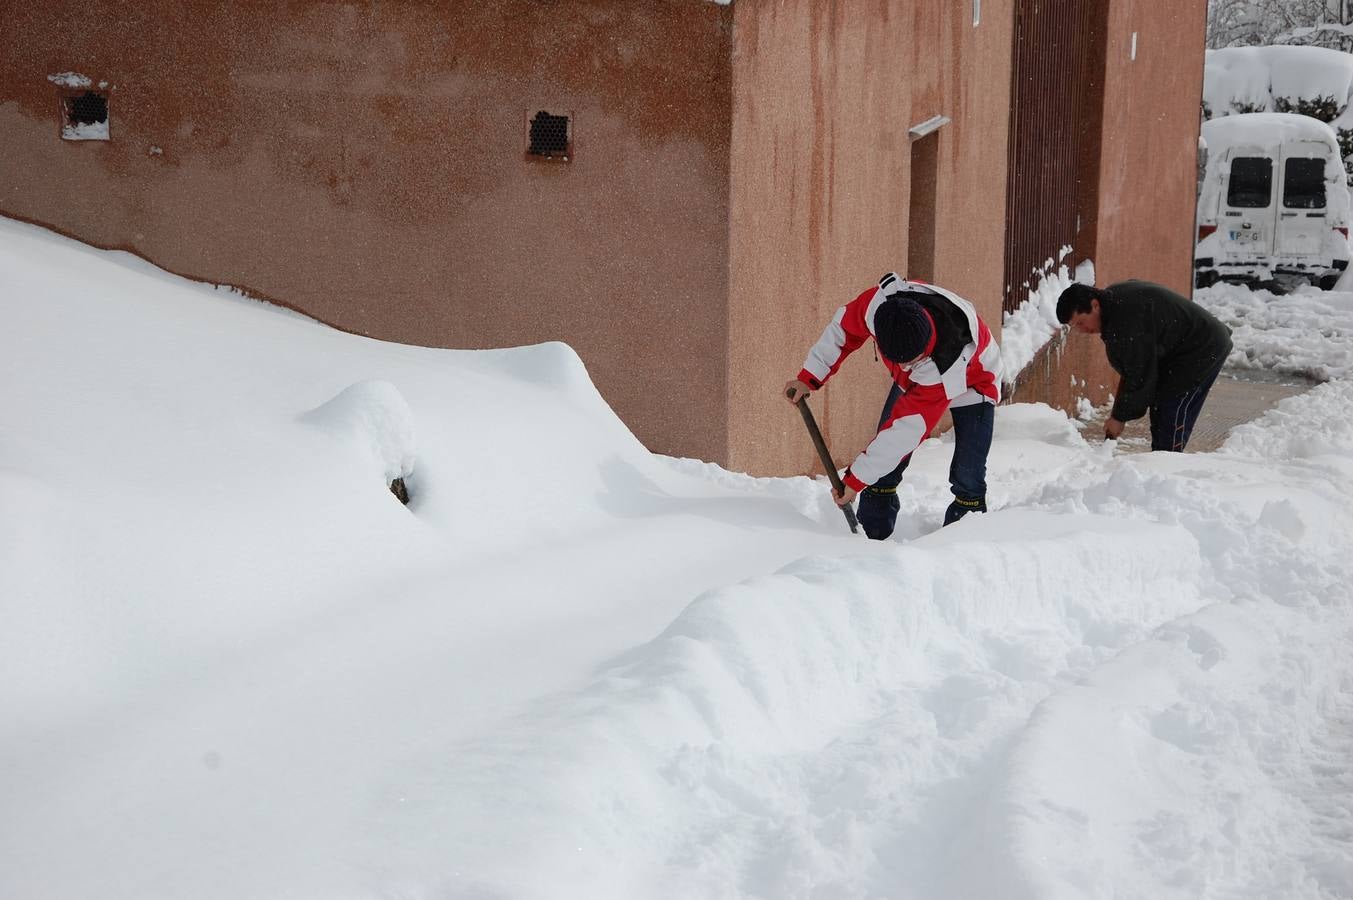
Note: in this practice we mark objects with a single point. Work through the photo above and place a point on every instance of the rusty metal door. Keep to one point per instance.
(1057, 99)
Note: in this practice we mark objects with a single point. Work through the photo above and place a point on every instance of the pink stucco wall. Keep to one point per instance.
(823, 96)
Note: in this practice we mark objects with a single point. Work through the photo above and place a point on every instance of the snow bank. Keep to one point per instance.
(1167, 738)
(857, 726)
(1308, 426)
(759, 693)
(374, 417)
(1307, 332)
(584, 671)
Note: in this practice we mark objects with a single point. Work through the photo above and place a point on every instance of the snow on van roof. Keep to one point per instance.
(1238, 78)
(1263, 134)
(1267, 130)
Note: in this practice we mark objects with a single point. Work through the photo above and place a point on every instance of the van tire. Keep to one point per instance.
(1327, 282)
(1204, 279)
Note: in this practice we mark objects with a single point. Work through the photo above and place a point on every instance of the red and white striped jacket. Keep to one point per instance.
(973, 377)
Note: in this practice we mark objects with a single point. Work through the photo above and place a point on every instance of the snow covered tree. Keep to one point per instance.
(1247, 23)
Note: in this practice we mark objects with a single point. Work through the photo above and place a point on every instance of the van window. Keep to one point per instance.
(1304, 184)
(1251, 182)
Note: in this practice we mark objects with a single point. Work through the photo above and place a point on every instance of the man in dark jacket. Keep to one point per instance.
(1166, 349)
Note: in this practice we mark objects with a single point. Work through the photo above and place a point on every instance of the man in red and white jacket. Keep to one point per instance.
(942, 357)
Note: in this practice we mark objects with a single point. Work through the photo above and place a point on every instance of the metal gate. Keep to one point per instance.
(1057, 99)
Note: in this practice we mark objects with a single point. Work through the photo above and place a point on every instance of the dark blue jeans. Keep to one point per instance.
(967, 472)
(1173, 418)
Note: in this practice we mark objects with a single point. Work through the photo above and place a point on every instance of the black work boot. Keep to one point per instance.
(962, 506)
(878, 511)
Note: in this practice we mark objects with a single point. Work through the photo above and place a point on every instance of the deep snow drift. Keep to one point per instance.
(236, 667)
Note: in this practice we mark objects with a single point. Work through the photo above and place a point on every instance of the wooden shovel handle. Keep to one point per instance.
(825, 455)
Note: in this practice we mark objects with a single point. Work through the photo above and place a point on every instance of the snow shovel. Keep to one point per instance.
(825, 455)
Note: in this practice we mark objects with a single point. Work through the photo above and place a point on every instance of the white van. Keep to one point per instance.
(1273, 205)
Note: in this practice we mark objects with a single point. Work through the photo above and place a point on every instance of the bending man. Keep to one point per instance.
(1166, 349)
(941, 356)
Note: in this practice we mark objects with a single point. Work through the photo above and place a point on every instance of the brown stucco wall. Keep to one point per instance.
(1067, 368)
(1148, 167)
(364, 162)
(739, 172)
(819, 192)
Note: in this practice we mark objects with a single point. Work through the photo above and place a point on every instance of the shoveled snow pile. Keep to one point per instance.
(236, 667)
(1028, 328)
(1308, 332)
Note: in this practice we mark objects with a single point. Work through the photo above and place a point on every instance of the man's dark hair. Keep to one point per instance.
(1076, 299)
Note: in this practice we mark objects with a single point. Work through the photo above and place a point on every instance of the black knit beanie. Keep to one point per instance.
(901, 328)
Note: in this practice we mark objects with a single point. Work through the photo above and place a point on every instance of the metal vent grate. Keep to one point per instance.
(88, 108)
(550, 136)
(84, 115)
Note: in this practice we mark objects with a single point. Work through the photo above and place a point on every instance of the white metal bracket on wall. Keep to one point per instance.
(934, 123)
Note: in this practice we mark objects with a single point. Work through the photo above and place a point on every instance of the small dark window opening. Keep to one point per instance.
(550, 137)
(1251, 182)
(88, 108)
(1304, 184)
(921, 209)
(84, 116)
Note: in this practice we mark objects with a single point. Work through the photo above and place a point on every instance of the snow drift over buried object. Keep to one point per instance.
(374, 416)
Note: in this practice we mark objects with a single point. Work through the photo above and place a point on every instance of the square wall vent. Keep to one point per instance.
(549, 136)
(84, 115)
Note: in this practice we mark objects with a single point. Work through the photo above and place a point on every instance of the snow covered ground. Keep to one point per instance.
(234, 666)
(1308, 332)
